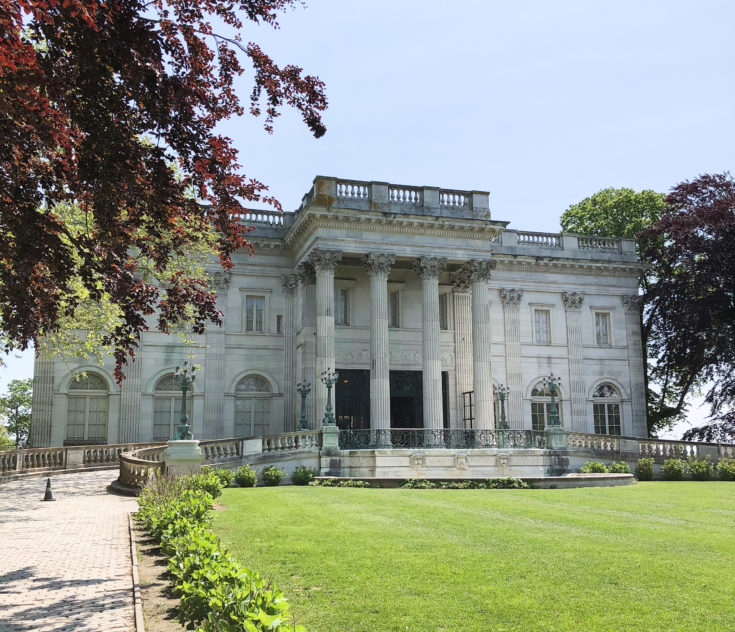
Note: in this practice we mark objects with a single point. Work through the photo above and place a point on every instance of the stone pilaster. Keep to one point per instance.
(573, 307)
(636, 367)
(429, 269)
(307, 280)
(43, 393)
(289, 283)
(511, 299)
(130, 389)
(214, 370)
(324, 262)
(462, 345)
(378, 268)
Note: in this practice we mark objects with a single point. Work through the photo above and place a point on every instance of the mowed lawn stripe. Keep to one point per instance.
(654, 556)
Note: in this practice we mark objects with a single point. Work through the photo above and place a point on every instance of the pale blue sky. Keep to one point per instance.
(541, 103)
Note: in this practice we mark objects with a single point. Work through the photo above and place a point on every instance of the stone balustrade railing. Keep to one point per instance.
(609, 244)
(593, 442)
(300, 440)
(543, 240)
(222, 450)
(262, 216)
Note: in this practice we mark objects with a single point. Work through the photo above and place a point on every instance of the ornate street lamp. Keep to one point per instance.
(502, 392)
(184, 377)
(552, 383)
(329, 378)
(303, 389)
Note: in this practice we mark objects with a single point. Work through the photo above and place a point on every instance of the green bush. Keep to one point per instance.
(246, 476)
(700, 469)
(206, 480)
(302, 475)
(419, 483)
(506, 483)
(333, 482)
(644, 469)
(226, 477)
(593, 467)
(272, 476)
(490, 483)
(618, 467)
(726, 469)
(673, 469)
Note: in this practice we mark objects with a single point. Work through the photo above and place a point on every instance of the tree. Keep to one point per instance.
(111, 109)
(15, 411)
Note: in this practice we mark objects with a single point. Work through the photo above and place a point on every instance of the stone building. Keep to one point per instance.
(420, 299)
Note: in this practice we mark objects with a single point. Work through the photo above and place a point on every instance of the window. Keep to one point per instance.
(541, 406)
(87, 406)
(394, 309)
(444, 311)
(606, 409)
(342, 306)
(254, 312)
(542, 334)
(167, 408)
(468, 416)
(252, 406)
(279, 324)
(602, 328)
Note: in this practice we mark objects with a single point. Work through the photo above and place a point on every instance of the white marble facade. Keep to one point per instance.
(379, 278)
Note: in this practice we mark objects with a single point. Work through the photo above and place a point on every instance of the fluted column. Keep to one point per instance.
(289, 283)
(573, 307)
(462, 343)
(429, 269)
(478, 272)
(130, 391)
(214, 369)
(42, 402)
(636, 368)
(307, 278)
(378, 268)
(511, 299)
(324, 262)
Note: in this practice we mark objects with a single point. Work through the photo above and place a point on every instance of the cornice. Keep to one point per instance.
(554, 265)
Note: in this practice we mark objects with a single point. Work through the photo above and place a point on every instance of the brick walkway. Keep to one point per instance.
(65, 565)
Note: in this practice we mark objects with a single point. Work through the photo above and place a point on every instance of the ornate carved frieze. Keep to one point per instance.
(324, 260)
(306, 274)
(429, 267)
(378, 263)
(572, 300)
(510, 297)
(632, 303)
(221, 280)
(289, 283)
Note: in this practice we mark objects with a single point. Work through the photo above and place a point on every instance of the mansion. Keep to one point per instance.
(427, 306)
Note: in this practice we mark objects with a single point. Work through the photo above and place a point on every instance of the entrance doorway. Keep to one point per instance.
(406, 399)
(352, 399)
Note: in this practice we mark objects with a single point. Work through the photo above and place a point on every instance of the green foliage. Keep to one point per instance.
(490, 483)
(593, 467)
(272, 476)
(726, 469)
(225, 477)
(333, 482)
(208, 481)
(15, 412)
(6, 443)
(618, 467)
(246, 476)
(644, 469)
(674, 469)
(700, 469)
(302, 475)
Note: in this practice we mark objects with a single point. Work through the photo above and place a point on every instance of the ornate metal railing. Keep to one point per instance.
(450, 438)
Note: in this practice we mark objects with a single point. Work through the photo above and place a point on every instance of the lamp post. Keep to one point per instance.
(303, 389)
(329, 378)
(552, 383)
(502, 392)
(184, 377)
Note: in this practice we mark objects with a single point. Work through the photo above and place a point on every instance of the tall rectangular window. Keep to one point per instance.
(279, 324)
(254, 309)
(394, 309)
(342, 306)
(602, 328)
(541, 318)
(444, 311)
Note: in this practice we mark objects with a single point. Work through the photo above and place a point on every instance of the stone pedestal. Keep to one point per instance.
(330, 439)
(183, 457)
(555, 438)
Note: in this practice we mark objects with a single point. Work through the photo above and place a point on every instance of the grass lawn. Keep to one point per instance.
(653, 556)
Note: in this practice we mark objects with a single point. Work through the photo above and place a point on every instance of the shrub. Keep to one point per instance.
(593, 467)
(206, 480)
(419, 483)
(302, 475)
(700, 469)
(226, 477)
(618, 467)
(246, 476)
(272, 476)
(506, 483)
(726, 469)
(333, 482)
(673, 469)
(644, 469)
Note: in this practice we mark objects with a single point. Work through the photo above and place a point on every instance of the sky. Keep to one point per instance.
(541, 103)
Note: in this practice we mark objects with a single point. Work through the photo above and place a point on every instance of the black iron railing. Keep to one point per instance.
(454, 438)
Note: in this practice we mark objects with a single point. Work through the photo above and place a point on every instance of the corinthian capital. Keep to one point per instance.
(511, 297)
(324, 260)
(305, 272)
(378, 263)
(572, 300)
(289, 282)
(632, 303)
(478, 270)
(429, 267)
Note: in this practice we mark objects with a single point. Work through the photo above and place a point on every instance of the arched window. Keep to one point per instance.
(252, 406)
(86, 419)
(606, 409)
(541, 406)
(167, 408)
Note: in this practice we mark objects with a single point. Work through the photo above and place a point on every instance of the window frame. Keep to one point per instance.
(252, 397)
(394, 324)
(605, 408)
(87, 395)
(608, 316)
(541, 404)
(255, 293)
(540, 308)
